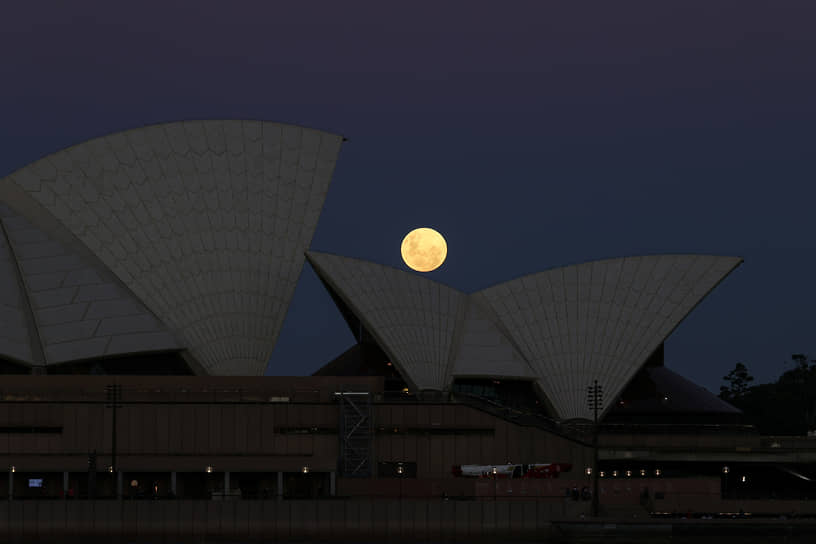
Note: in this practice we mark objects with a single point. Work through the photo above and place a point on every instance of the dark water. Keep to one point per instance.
(716, 537)
(674, 532)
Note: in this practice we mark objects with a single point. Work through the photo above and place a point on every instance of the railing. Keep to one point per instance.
(582, 432)
(788, 442)
(676, 428)
(519, 417)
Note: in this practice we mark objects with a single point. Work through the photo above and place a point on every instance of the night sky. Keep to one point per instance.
(531, 134)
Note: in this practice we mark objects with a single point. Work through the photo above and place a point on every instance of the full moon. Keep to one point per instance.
(424, 249)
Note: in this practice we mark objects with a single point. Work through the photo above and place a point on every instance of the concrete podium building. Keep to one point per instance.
(147, 274)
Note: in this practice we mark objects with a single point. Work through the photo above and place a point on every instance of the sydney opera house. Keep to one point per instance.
(144, 279)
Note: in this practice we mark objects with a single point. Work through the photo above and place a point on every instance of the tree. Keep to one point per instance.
(739, 382)
(800, 384)
(784, 407)
(801, 371)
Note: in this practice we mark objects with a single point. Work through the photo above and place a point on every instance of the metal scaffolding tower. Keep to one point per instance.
(355, 434)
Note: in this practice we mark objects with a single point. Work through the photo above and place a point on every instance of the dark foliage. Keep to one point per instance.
(785, 407)
(738, 383)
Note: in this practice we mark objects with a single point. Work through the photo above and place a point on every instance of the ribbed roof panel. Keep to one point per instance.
(80, 310)
(600, 320)
(483, 351)
(205, 222)
(16, 328)
(413, 318)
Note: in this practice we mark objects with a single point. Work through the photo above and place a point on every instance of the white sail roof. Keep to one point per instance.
(413, 318)
(205, 222)
(16, 339)
(73, 309)
(600, 320)
(564, 328)
(484, 351)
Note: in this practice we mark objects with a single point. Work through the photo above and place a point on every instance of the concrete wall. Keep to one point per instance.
(612, 444)
(237, 424)
(438, 436)
(266, 521)
(271, 520)
(170, 437)
(171, 423)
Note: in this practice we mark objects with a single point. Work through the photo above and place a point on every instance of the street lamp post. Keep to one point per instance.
(12, 470)
(113, 394)
(401, 474)
(92, 475)
(595, 402)
(114, 397)
(305, 472)
(495, 484)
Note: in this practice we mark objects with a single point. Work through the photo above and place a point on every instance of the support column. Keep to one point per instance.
(332, 483)
(173, 484)
(280, 486)
(226, 483)
(119, 484)
(65, 485)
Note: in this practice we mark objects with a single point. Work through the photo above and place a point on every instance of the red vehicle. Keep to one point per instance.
(509, 470)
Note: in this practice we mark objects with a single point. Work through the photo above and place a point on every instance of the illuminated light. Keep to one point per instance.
(13, 468)
(405, 390)
(208, 469)
(614, 473)
(424, 249)
(726, 469)
(588, 471)
(110, 468)
(388, 364)
(494, 471)
(400, 469)
(305, 470)
(657, 472)
(628, 473)
(744, 479)
(643, 472)
(602, 474)
(134, 483)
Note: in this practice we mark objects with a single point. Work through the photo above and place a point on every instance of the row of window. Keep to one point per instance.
(29, 429)
(393, 430)
(33, 429)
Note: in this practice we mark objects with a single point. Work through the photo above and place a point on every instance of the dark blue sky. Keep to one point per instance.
(531, 135)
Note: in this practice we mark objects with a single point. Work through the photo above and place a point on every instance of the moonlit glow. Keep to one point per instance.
(424, 249)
